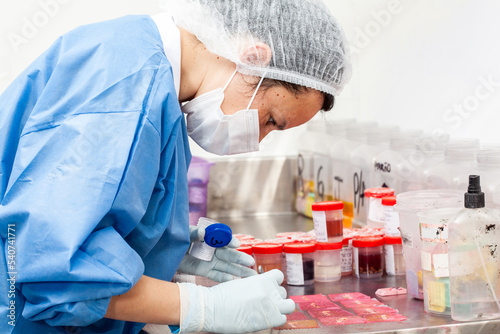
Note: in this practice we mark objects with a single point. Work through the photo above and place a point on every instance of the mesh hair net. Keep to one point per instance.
(308, 46)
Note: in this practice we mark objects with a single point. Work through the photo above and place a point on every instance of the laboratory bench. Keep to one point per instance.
(266, 226)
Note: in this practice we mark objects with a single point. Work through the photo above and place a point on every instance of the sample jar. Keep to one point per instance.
(299, 263)
(391, 218)
(394, 260)
(346, 257)
(368, 257)
(217, 235)
(327, 262)
(267, 257)
(374, 210)
(327, 217)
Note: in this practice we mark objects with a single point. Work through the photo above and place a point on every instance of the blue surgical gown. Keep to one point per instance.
(93, 186)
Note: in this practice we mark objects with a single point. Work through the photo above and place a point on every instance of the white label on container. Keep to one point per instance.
(376, 212)
(440, 262)
(319, 218)
(346, 259)
(390, 267)
(202, 251)
(437, 233)
(294, 269)
(356, 261)
(391, 221)
(426, 259)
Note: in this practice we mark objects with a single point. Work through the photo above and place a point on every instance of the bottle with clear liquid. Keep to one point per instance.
(474, 258)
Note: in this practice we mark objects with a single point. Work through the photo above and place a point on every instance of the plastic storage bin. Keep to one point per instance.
(299, 263)
(327, 217)
(327, 262)
(368, 257)
(198, 177)
(267, 257)
(408, 206)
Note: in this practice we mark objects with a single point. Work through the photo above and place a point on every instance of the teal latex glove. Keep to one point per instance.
(240, 306)
(226, 263)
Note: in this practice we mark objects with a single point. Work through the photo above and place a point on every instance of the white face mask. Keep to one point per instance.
(218, 133)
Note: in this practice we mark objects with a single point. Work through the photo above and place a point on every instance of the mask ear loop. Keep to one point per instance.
(229, 81)
(256, 90)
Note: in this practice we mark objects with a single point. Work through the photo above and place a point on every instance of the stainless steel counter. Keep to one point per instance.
(418, 321)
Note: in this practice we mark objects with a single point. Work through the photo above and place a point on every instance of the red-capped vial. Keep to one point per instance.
(391, 217)
(394, 260)
(327, 217)
(374, 210)
(267, 256)
(367, 253)
(327, 264)
(299, 263)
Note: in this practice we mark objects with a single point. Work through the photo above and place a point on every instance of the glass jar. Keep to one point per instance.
(327, 217)
(299, 263)
(368, 257)
(267, 257)
(327, 262)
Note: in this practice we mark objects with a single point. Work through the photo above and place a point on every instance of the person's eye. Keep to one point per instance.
(271, 121)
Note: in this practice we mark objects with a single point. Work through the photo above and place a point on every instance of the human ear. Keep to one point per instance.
(257, 55)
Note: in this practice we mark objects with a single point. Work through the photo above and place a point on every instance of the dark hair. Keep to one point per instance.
(267, 83)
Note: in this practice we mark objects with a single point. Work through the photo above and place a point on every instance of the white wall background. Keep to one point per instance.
(423, 64)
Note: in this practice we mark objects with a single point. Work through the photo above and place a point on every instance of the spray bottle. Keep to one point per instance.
(474, 258)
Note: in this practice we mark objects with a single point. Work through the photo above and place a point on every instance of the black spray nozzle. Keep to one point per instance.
(474, 185)
(474, 197)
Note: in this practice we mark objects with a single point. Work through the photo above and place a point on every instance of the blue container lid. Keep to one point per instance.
(218, 235)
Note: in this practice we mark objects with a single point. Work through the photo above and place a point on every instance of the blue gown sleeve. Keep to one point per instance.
(65, 181)
(77, 127)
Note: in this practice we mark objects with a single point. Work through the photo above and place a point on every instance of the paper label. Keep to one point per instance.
(346, 259)
(376, 210)
(412, 283)
(294, 269)
(319, 219)
(356, 261)
(437, 233)
(202, 251)
(440, 262)
(390, 267)
(426, 259)
(391, 221)
(437, 296)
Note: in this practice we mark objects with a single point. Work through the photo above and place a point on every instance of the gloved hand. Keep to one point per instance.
(225, 263)
(240, 306)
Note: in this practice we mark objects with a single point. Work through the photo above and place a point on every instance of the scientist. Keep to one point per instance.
(94, 156)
